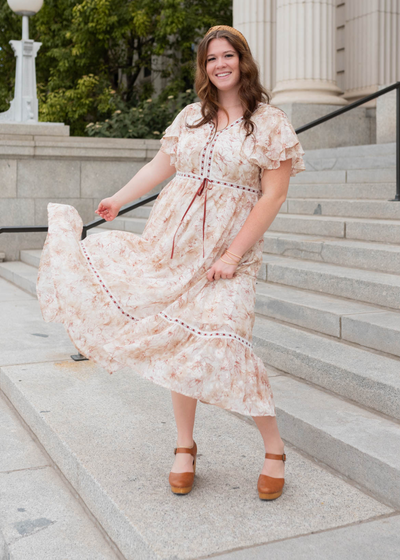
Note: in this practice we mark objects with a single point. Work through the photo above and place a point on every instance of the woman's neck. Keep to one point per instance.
(229, 99)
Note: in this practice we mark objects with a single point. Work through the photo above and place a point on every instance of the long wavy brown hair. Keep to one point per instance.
(251, 92)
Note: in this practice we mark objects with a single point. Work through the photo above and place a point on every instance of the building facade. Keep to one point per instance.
(324, 54)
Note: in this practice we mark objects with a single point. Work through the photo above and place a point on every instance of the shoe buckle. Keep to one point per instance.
(284, 457)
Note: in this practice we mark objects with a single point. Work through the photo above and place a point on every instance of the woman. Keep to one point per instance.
(177, 304)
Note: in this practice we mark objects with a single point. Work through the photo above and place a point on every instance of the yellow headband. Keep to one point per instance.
(232, 30)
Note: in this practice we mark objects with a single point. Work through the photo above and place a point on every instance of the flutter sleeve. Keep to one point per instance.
(169, 142)
(276, 141)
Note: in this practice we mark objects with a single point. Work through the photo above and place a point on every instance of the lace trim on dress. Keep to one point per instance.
(103, 284)
(205, 334)
(216, 182)
(197, 332)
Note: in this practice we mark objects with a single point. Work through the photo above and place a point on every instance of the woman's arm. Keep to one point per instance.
(274, 184)
(148, 177)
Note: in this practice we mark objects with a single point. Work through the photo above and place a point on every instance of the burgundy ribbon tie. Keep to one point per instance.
(203, 188)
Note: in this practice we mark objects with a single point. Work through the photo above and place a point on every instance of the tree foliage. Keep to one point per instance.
(147, 120)
(94, 53)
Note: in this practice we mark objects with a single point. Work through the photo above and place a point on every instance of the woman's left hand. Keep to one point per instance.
(221, 270)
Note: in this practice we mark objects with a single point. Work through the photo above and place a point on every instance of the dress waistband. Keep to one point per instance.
(217, 182)
(206, 185)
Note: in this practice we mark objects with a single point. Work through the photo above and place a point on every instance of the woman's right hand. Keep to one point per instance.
(108, 209)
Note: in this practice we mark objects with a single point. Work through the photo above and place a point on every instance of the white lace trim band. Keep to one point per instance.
(205, 334)
(197, 332)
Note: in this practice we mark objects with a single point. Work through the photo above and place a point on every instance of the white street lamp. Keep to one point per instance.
(24, 107)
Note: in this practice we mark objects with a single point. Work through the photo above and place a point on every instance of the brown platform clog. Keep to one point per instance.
(269, 487)
(182, 483)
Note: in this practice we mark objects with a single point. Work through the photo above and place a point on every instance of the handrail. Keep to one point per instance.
(142, 202)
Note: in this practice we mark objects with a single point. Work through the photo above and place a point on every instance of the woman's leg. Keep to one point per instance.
(184, 411)
(273, 444)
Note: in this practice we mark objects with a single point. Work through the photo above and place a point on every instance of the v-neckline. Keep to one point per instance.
(234, 122)
(228, 126)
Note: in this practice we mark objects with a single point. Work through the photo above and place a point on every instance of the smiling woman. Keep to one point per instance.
(223, 71)
(177, 304)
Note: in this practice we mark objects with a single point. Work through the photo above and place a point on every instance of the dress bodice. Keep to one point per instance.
(228, 156)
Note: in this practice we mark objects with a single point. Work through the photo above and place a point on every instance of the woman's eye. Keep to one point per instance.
(226, 56)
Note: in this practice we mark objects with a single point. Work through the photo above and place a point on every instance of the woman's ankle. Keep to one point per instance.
(274, 446)
(185, 443)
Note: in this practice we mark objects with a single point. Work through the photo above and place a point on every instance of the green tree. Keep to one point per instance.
(95, 51)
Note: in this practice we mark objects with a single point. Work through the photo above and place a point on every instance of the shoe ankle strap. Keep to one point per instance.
(191, 450)
(274, 456)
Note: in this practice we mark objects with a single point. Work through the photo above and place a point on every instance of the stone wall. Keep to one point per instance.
(41, 164)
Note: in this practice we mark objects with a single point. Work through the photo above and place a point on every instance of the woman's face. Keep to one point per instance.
(223, 64)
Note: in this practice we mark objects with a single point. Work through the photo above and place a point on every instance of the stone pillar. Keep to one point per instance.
(305, 53)
(256, 19)
(373, 58)
(372, 46)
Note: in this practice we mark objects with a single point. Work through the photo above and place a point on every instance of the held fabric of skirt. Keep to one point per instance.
(125, 302)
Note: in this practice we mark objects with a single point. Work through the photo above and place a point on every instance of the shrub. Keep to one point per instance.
(148, 119)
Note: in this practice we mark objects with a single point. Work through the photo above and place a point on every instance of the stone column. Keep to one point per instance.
(305, 53)
(372, 46)
(373, 58)
(256, 19)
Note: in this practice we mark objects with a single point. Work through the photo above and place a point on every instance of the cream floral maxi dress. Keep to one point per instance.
(125, 302)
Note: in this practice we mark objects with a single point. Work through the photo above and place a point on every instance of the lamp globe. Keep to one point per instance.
(25, 7)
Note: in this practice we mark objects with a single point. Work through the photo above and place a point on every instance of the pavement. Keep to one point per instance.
(85, 458)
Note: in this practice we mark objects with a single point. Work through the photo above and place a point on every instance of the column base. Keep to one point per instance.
(354, 128)
(314, 92)
(386, 117)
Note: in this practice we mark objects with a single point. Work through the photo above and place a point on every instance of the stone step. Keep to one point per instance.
(134, 225)
(85, 417)
(378, 209)
(352, 152)
(364, 377)
(344, 252)
(360, 444)
(31, 256)
(368, 175)
(366, 286)
(20, 274)
(334, 162)
(359, 323)
(98, 229)
(378, 538)
(28, 479)
(363, 229)
(141, 212)
(362, 191)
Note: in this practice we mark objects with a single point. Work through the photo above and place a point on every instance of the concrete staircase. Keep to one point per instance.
(328, 313)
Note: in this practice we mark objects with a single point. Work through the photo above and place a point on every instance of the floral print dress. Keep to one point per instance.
(145, 302)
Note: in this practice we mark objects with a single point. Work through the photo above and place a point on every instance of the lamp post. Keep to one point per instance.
(24, 107)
